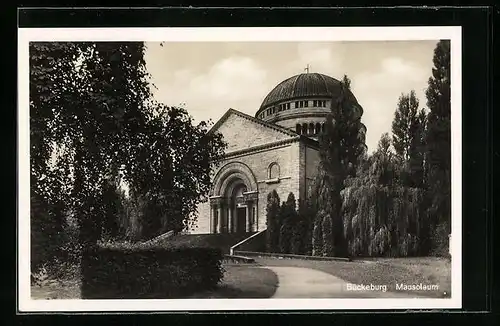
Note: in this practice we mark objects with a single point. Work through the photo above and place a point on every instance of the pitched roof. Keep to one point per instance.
(256, 120)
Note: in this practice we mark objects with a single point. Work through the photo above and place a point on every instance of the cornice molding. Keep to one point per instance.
(255, 120)
(262, 147)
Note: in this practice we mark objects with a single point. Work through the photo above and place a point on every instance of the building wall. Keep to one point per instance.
(241, 133)
(291, 169)
(202, 224)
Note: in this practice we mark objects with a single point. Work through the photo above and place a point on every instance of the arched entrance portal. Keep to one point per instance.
(238, 214)
(234, 200)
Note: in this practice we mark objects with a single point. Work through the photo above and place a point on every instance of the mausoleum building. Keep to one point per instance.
(277, 149)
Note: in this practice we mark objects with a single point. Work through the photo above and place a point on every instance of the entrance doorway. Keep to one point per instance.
(241, 216)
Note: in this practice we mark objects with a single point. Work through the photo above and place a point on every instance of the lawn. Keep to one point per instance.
(240, 281)
(55, 289)
(390, 271)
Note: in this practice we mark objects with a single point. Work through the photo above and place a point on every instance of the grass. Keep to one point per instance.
(240, 281)
(56, 289)
(391, 271)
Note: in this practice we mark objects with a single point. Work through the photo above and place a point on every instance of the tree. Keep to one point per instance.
(404, 121)
(48, 176)
(92, 113)
(317, 237)
(135, 210)
(328, 244)
(438, 139)
(303, 233)
(408, 127)
(273, 221)
(384, 164)
(417, 151)
(299, 234)
(288, 219)
(85, 101)
(113, 203)
(176, 181)
(341, 146)
(346, 82)
(381, 216)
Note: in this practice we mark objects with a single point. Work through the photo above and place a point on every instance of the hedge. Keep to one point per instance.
(140, 272)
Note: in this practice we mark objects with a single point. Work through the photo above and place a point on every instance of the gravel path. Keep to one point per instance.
(300, 282)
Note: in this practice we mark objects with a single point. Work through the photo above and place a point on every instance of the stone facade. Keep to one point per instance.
(241, 133)
(260, 159)
(277, 149)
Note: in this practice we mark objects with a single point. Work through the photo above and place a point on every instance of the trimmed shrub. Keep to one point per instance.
(288, 219)
(273, 221)
(317, 238)
(327, 235)
(440, 240)
(132, 271)
(306, 225)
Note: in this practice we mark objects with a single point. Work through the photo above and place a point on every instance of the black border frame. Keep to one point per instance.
(477, 100)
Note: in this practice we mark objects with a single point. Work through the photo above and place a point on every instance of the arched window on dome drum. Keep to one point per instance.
(273, 171)
(298, 129)
(304, 128)
(311, 128)
(318, 128)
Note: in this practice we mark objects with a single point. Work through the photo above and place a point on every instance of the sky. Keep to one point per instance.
(210, 78)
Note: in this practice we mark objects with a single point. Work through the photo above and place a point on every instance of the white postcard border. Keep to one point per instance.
(278, 34)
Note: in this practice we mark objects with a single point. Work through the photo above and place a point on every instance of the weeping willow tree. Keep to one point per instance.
(381, 216)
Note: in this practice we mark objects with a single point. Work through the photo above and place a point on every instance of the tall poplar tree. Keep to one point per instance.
(408, 127)
(341, 145)
(438, 140)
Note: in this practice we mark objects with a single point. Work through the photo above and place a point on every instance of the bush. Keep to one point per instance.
(46, 232)
(317, 237)
(327, 236)
(440, 240)
(132, 271)
(272, 221)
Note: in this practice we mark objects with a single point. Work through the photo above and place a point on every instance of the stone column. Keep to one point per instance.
(251, 199)
(255, 217)
(235, 216)
(229, 217)
(219, 217)
(249, 212)
(212, 218)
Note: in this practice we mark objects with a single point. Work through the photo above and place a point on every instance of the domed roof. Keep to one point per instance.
(302, 85)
